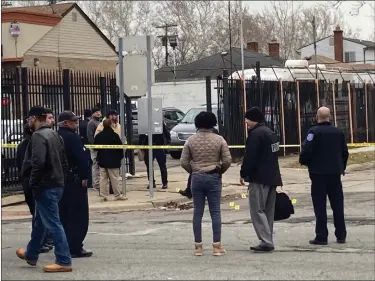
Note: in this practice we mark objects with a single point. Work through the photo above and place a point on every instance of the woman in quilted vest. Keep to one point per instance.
(206, 157)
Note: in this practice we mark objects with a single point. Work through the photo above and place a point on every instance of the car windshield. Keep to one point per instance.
(193, 112)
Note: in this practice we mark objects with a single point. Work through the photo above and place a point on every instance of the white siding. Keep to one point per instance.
(370, 56)
(323, 48)
(30, 34)
(184, 95)
(73, 39)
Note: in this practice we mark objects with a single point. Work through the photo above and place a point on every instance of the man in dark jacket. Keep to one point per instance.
(159, 154)
(326, 154)
(74, 206)
(48, 167)
(109, 161)
(261, 169)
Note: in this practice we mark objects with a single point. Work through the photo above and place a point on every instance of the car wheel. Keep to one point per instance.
(175, 154)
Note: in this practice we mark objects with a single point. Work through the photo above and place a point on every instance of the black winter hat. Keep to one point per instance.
(87, 113)
(255, 114)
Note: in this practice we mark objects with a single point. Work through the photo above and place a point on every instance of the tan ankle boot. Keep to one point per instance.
(217, 249)
(57, 268)
(198, 249)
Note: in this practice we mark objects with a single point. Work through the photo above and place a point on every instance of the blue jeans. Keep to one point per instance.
(47, 219)
(206, 186)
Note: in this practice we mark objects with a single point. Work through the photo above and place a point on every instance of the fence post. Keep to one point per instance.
(208, 94)
(66, 89)
(103, 95)
(114, 99)
(25, 91)
(282, 112)
(129, 134)
(317, 93)
(334, 103)
(366, 110)
(226, 102)
(299, 118)
(350, 111)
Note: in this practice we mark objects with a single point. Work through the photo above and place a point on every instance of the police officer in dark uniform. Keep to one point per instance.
(325, 153)
(74, 208)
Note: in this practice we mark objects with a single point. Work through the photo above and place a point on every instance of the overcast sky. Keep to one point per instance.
(365, 20)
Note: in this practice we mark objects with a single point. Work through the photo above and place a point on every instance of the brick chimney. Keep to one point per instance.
(274, 49)
(338, 44)
(253, 46)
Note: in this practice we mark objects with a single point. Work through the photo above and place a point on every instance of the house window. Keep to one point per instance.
(349, 56)
(331, 41)
(74, 16)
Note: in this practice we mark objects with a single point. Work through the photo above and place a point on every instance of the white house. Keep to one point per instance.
(341, 49)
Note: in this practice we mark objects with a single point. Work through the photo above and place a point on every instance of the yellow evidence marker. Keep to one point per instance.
(294, 201)
(177, 189)
(244, 195)
(237, 207)
(231, 204)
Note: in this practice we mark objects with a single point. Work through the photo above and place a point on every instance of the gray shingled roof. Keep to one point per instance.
(214, 65)
(369, 44)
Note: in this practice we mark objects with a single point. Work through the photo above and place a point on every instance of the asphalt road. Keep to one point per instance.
(158, 245)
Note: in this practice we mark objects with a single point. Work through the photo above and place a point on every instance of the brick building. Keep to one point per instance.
(56, 36)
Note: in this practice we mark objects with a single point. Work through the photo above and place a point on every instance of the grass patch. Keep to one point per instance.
(354, 158)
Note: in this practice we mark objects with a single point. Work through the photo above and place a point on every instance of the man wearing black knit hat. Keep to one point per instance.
(260, 168)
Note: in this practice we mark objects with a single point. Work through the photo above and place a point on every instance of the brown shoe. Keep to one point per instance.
(57, 268)
(217, 249)
(21, 253)
(198, 249)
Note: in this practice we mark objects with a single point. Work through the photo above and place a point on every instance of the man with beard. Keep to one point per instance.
(113, 116)
(91, 128)
(48, 166)
(74, 207)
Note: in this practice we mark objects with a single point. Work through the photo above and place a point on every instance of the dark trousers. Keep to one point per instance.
(89, 180)
(161, 158)
(321, 186)
(30, 201)
(74, 214)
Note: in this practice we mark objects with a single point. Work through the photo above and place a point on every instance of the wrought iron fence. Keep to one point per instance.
(59, 91)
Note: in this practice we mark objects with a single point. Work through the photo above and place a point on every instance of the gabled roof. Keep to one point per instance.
(57, 10)
(344, 66)
(366, 43)
(213, 65)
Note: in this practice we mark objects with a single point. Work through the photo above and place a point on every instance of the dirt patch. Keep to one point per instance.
(354, 158)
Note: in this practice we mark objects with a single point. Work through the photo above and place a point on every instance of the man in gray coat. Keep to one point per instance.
(91, 128)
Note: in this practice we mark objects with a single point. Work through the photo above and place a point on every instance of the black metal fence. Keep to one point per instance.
(290, 109)
(59, 91)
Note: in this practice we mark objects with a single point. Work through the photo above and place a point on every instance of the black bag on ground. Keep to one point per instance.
(283, 207)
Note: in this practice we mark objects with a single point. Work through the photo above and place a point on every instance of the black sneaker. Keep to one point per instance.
(341, 241)
(148, 186)
(45, 249)
(184, 193)
(318, 242)
(164, 186)
(261, 248)
(83, 254)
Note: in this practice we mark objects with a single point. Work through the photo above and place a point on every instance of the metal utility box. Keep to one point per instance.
(157, 116)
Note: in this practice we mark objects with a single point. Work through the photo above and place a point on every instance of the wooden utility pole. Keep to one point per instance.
(164, 39)
(316, 63)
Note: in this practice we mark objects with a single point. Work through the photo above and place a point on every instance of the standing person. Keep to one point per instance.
(113, 116)
(159, 154)
(260, 168)
(83, 134)
(91, 128)
(187, 191)
(326, 154)
(74, 206)
(48, 166)
(109, 161)
(206, 157)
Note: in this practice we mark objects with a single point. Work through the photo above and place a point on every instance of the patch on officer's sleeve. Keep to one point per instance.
(275, 147)
(310, 137)
(84, 148)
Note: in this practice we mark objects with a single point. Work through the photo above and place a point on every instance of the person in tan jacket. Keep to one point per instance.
(206, 157)
(113, 116)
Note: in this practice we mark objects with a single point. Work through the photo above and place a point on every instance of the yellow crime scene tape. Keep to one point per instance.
(128, 146)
